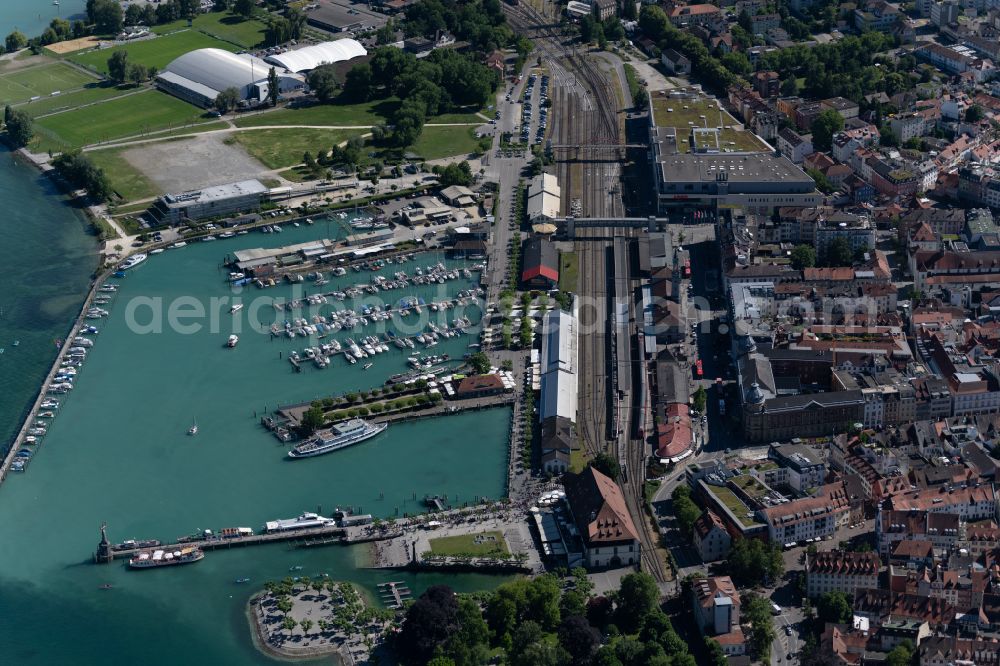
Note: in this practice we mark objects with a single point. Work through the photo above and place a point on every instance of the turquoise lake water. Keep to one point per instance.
(48, 255)
(31, 16)
(118, 452)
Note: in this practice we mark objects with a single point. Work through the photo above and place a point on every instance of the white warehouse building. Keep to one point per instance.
(200, 75)
(311, 57)
(559, 366)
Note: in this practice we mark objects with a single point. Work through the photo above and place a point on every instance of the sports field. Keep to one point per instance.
(89, 94)
(141, 113)
(23, 84)
(157, 52)
(245, 32)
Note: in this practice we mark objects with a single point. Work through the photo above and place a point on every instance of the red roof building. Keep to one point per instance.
(540, 263)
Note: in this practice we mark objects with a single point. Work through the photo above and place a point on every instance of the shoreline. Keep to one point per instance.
(97, 277)
(261, 644)
(40, 395)
(73, 198)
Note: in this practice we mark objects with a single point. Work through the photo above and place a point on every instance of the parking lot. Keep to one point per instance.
(532, 100)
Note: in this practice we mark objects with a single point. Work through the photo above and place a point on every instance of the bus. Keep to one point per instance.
(698, 371)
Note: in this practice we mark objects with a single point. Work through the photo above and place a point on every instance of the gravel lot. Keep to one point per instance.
(189, 164)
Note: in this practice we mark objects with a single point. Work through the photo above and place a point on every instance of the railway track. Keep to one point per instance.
(586, 113)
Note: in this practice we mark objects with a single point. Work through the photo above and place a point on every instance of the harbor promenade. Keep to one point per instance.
(331, 534)
(292, 414)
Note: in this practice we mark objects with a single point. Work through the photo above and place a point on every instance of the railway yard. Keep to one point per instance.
(587, 113)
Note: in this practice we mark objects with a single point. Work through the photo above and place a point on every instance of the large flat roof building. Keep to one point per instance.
(221, 200)
(558, 366)
(343, 16)
(200, 75)
(754, 180)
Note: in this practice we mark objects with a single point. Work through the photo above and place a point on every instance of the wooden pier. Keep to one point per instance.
(394, 594)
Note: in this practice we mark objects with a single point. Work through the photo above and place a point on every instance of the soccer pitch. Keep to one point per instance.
(144, 112)
(158, 52)
(23, 84)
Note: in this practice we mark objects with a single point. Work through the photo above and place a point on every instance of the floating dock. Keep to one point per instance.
(394, 594)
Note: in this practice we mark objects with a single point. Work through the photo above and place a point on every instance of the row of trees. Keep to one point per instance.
(592, 29)
(704, 65)
(849, 67)
(106, 17)
(121, 70)
(545, 621)
(480, 22)
(81, 172)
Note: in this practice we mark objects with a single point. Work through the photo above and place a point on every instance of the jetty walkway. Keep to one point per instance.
(331, 534)
(292, 414)
(78, 324)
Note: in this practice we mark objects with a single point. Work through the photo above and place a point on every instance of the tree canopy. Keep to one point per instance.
(606, 464)
(323, 82)
(429, 622)
(456, 173)
(106, 15)
(15, 40)
(80, 171)
(827, 123)
(833, 607)
(480, 22)
(753, 562)
(803, 256)
(838, 253)
(685, 509)
(19, 126)
(480, 363)
(227, 100)
(756, 611)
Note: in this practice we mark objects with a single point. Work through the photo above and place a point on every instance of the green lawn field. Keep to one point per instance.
(127, 181)
(89, 94)
(157, 52)
(21, 85)
(223, 25)
(144, 112)
(437, 142)
(279, 148)
(484, 544)
(366, 114)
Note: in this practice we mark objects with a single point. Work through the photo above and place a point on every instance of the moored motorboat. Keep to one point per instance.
(133, 261)
(233, 341)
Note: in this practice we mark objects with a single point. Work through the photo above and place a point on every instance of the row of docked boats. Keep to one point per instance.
(65, 374)
(428, 275)
(61, 384)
